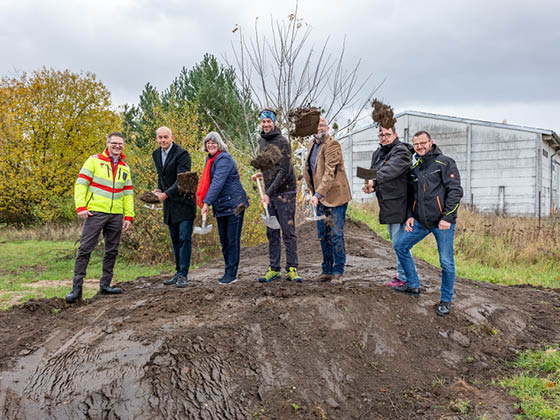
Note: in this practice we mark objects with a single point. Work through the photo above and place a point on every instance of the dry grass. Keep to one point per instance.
(69, 231)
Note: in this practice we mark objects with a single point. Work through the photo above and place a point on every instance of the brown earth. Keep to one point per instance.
(273, 351)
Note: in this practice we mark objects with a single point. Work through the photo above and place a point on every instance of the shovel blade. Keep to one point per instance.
(271, 222)
(202, 230)
(315, 218)
(367, 174)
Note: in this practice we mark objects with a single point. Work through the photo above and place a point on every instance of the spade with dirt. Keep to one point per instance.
(304, 121)
(149, 197)
(383, 115)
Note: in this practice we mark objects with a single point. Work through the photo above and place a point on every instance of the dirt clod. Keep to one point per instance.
(149, 197)
(383, 114)
(304, 121)
(268, 158)
(187, 182)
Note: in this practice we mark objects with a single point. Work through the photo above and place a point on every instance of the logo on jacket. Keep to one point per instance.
(124, 176)
(452, 176)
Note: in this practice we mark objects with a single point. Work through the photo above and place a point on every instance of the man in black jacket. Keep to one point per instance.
(435, 193)
(392, 161)
(179, 210)
(280, 197)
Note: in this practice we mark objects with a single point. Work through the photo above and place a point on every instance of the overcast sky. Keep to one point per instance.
(490, 60)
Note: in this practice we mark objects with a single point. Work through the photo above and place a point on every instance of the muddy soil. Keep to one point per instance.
(273, 351)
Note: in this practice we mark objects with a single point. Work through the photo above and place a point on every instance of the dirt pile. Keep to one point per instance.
(272, 351)
(149, 197)
(383, 114)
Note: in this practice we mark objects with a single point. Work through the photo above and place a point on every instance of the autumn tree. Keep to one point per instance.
(50, 121)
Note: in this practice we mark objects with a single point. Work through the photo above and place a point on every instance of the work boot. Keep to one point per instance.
(443, 308)
(269, 276)
(108, 290)
(172, 280)
(181, 281)
(74, 295)
(293, 275)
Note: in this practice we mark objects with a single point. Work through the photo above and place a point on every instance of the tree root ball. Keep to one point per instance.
(268, 158)
(304, 121)
(383, 114)
(187, 182)
(149, 197)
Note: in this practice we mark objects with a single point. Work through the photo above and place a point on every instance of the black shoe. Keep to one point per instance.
(443, 308)
(74, 295)
(414, 291)
(181, 281)
(171, 281)
(108, 290)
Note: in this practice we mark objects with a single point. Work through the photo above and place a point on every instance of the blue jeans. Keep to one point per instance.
(182, 245)
(229, 228)
(444, 239)
(395, 232)
(331, 235)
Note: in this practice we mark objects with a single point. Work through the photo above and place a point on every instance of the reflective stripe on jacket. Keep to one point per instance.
(100, 188)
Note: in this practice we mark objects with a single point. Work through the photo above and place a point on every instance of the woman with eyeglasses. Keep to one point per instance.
(220, 187)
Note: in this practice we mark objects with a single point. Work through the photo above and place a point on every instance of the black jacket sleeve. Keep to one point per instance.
(398, 164)
(453, 190)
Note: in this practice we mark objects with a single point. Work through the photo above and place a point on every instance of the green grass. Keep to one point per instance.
(23, 263)
(537, 384)
(539, 273)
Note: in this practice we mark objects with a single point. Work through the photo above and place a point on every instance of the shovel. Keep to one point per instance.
(366, 174)
(152, 207)
(269, 221)
(315, 218)
(203, 230)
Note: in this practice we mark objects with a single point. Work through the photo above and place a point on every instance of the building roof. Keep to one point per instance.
(468, 121)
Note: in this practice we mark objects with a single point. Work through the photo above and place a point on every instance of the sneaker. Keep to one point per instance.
(337, 280)
(293, 275)
(227, 280)
(181, 281)
(172, 280)
(269, 276)
(396, 282)
(414, 291)
(324, 277)
(443, 308)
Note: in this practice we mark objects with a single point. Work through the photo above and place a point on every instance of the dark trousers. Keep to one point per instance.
(229, 228)
(181, 234)
(331, 235)
(111, 226)
(283, 206)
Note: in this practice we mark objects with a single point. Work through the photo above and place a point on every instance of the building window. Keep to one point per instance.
(545, 153)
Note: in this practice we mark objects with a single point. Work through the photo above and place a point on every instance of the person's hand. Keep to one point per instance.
(157, 190)
(84, 214)
(161, 196)
(126, 225)
(257, 175)
(313, 201)
(443, 225)
(204, 210)
(409, 224)
(265, 200)
(368, 187)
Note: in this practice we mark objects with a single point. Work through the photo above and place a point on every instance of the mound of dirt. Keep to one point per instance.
(149, 197)
(187, 182)
(304, 121)
(268, 158)
(273, 351)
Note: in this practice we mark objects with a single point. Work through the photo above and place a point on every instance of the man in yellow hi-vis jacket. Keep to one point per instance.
(104, 200)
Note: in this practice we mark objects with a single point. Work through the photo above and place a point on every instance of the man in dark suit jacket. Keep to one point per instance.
(179, 210)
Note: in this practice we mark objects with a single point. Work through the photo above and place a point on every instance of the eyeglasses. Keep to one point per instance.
(420, 143)
(117, 144)
(382, 135)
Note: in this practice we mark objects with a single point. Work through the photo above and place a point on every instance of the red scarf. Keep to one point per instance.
(204, 182)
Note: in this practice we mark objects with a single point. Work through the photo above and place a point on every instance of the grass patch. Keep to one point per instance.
(537, 384)
(43, 268)
(502, 250)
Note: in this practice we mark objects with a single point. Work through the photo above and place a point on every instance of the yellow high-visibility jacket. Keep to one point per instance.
(104, 187)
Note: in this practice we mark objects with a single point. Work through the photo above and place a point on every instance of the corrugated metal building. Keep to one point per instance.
(504, 168)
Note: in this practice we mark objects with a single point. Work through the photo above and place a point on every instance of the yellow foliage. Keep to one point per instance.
(50, 122)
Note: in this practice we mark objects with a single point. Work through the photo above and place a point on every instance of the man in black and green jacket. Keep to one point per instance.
(435, 193)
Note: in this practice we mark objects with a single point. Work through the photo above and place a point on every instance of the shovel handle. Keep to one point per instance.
(204, 220)
(259, 180)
